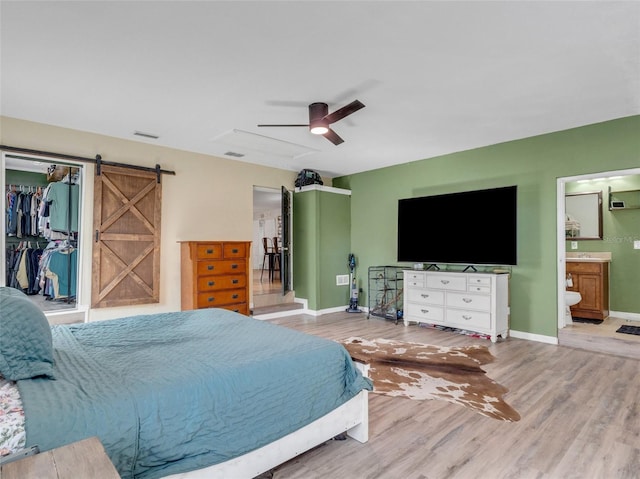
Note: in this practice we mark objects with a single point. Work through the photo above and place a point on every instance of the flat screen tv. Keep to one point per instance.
(472, 227)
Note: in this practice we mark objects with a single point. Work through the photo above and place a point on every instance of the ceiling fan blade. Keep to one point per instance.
(333, 137)
(346, 110)
(307, 125)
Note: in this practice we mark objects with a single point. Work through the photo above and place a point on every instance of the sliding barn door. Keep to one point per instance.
(126, 248)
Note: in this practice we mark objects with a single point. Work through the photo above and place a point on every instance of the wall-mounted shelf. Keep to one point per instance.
(624, 200)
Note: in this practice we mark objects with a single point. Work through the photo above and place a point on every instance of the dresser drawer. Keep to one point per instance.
(469, 301)
(480, 289)
(232, 250)
(479, 280)
(426, 296)
(241, 308)
(220, 267)
(458, 318)
(214, 299)
(411, 276)
(424, 312)
(447, 281)
(209, 251)
(213, 283)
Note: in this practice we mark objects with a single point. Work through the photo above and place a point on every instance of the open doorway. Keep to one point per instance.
(40, 232)
(619, 233)
(271, 258)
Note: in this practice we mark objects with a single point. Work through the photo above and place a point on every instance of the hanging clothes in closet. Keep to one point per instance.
(59, 209)
(22, 210)
(57, 271)
(23, 264)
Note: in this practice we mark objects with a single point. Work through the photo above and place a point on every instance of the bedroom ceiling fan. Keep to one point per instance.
(320, 119)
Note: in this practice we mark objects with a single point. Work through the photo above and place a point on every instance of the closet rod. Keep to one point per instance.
(86, 160)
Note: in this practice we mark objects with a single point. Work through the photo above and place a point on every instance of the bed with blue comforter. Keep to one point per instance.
(175, 392)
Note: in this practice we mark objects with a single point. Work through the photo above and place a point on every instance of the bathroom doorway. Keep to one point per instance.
(619, 243)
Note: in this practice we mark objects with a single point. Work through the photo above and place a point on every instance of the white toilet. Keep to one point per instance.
(570, 298)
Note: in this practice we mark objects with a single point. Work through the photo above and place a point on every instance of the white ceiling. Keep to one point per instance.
(436, 77)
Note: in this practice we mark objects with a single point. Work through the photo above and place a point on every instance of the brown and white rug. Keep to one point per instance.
(423, 371)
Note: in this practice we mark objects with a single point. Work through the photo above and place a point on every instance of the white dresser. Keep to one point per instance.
(476, 302)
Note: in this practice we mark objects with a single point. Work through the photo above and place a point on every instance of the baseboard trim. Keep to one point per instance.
(533, 337)
(623, 315)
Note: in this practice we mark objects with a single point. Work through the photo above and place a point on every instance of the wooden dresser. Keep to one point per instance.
(215, 274)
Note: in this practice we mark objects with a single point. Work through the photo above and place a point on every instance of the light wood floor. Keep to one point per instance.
(580, 416)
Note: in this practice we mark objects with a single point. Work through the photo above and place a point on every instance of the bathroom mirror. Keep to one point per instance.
(583, 215)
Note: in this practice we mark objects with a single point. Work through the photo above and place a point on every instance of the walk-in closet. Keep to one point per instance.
(41, 230)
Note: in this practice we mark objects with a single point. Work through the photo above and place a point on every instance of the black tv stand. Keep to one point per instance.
(470, 267)
(434, 266)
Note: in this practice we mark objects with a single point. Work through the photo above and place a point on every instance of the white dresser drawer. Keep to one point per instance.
(411, 276)
(449, 282)
(458, 318)
(480, 289)
(469, 301)
(424, 313)
(426, 296)
(414, 284)
(479, 280)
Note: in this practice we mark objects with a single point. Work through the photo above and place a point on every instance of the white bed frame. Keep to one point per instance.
(352, 417)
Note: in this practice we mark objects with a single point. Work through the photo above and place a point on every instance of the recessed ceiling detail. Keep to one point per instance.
(253, 145)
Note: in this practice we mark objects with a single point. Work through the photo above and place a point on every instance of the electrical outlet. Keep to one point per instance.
(574, 245)
(636, 244)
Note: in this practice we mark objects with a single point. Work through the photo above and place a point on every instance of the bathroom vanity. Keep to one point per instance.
(589, 275)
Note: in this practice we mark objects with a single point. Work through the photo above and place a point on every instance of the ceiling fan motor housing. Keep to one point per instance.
(317, 112)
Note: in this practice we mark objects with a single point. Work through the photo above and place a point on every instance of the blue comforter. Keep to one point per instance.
(173, 392)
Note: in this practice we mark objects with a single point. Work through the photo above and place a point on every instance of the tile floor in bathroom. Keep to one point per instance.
(602, 337)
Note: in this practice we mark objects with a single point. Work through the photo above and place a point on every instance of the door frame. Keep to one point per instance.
(80, 311)
(561, 240)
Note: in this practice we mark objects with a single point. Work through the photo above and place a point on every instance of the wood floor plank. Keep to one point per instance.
(580, 416)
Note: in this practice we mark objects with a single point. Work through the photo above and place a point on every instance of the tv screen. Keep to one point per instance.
(472, 227)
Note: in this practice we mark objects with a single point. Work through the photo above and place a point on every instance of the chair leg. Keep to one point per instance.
(262, 271)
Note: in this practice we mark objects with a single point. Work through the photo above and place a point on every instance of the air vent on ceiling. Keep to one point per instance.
(146, 135)
(235, 154)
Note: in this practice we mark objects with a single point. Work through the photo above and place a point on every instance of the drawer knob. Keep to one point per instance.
(234, 266)
(467, 300)
(210, 267)
(424, 311)
(211, 283)
(444, 281)
(424, 295)
(235, 251)
(235, 296)
(211, 299)
(464, 316)
(209, 251)
(235, 281)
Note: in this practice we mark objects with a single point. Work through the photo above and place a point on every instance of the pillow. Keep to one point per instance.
(26, 347)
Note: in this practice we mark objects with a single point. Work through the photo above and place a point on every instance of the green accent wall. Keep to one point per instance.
(321, 228)
(619, 230)
(533, 164)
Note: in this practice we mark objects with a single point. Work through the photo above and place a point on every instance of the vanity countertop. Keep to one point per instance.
(599, 257)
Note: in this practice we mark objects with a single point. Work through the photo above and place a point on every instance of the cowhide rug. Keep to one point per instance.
(423, 371)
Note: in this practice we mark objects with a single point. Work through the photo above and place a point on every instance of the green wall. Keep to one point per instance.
(321, 228)
(534, 164)
(619, 229)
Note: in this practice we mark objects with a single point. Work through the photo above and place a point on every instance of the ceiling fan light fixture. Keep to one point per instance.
(319, 128)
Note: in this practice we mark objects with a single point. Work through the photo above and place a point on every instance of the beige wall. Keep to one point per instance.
(209, 198)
